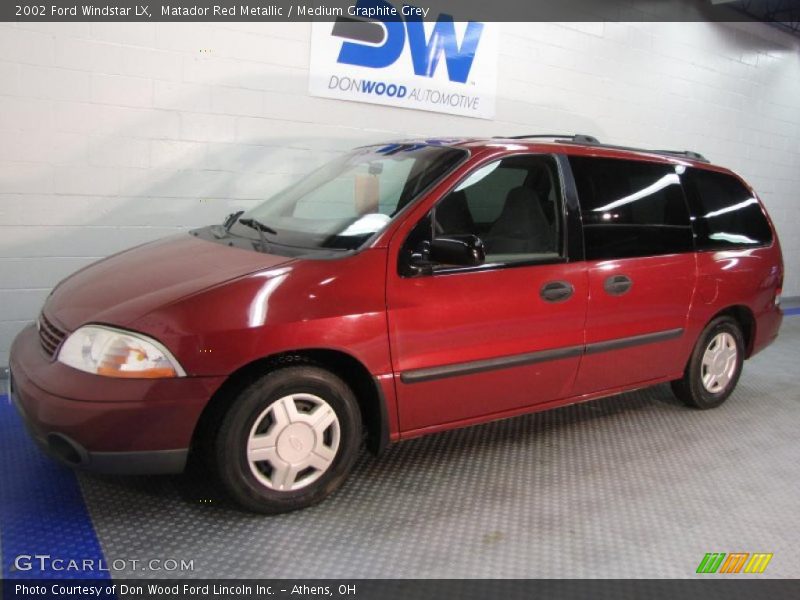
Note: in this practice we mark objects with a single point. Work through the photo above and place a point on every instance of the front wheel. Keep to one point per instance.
(714, 367)
(288, 440)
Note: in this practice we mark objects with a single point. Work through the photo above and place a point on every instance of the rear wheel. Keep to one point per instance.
(714, 367)
(288, 440)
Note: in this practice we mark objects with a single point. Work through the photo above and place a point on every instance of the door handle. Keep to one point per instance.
(556, 291)
(616, 285)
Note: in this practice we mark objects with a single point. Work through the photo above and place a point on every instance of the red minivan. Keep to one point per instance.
(400, 290)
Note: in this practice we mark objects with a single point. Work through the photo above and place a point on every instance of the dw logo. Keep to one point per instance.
(378, 45)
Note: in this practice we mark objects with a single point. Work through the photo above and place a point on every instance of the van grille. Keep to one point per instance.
(50, 336)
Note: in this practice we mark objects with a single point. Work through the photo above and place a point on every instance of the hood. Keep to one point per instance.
(128, 285)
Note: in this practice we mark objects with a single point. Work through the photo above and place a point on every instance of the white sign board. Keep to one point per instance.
(442, 66)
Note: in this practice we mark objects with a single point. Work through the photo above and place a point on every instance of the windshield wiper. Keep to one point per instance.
(221, 231)
(256, 224)
(260, 228)
(231, 219)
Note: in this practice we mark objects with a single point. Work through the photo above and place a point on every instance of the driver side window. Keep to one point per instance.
(512, 205)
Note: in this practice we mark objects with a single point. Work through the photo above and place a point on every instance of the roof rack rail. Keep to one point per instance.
(696, 156)
(578, 138)
(590, 140)
(685, 153)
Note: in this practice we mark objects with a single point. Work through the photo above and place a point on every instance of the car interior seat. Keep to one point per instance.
(522, 226)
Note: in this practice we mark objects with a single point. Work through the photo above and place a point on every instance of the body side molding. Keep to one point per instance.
(518, 360)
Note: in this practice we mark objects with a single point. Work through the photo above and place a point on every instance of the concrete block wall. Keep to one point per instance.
(116, 134)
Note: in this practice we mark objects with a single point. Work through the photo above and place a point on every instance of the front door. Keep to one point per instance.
(496, 339)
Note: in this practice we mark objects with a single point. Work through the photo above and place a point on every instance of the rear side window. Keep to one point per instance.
(726, 215)
(631, 208)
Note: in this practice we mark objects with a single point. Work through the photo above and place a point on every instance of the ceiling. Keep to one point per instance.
(784, 14)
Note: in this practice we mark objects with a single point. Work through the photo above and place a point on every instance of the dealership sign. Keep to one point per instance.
(385, 53)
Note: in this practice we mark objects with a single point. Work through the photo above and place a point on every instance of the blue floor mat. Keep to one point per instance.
(42, 511)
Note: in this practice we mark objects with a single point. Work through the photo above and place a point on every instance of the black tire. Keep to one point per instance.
(229, 449)
(690, 388)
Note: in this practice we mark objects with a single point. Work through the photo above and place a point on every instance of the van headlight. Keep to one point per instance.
(115, 353)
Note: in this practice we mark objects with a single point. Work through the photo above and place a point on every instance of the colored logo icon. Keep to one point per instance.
(735, 562)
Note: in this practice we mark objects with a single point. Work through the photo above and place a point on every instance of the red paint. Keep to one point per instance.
(467, 317)
(125, 286)
(658, 300)
(114, 416)
(219, 308)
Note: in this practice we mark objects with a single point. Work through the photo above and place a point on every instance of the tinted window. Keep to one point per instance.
(726, 215)
(631, 208)
(511, 204)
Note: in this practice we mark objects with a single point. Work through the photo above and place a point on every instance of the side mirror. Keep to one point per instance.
(462, 250)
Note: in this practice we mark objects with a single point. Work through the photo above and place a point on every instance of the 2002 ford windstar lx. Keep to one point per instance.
(402, 289)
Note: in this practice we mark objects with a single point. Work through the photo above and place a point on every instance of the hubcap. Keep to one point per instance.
(293, 442)
(719, 362)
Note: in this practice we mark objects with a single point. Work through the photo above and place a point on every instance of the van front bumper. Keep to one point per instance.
(103, 424)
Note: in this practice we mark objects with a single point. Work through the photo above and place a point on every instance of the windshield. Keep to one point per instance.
(347, 201)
